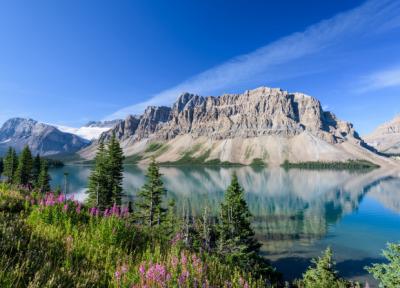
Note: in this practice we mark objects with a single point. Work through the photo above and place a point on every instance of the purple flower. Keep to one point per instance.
(65, 207)
(142, 269)
(183, 277)
(78, 209)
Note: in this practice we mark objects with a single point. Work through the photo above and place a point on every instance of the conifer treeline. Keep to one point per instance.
(231, 237)
(25, 170)
(105, 181)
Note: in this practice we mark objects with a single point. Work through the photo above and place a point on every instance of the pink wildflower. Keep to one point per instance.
(142, 269)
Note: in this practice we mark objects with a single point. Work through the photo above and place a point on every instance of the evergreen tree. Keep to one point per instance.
(43, 181)
(115, 158)
(1, 166)
(36, 166)
(98, 189)
(388, 274)
(23, 175)
(323, 274)
(237, 242)
(10, 164)
(150, 211)
(171, 222)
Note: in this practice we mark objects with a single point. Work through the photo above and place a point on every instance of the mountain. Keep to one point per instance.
(41, 138)
(386, 138)
(267, 124)
(92, 130)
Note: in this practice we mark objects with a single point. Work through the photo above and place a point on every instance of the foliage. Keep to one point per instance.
(54, 242)
(23, 175)
(237, 242)
(36, 166)
(1, 166)
(115, 158)
(153, 147)
(10, 164)
(388, 274)
(105, 181)
(150, 197)
(258, 162)
(323, 274)
(349, 165)
(43, 179)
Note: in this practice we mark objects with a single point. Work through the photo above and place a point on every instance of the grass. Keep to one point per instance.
(153, 147)
(188, 159)
(47, 241)
(133, 159)
(348, 165)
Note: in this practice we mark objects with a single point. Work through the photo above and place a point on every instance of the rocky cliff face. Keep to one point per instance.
(269, 124)
(386, 138)
(41, 138)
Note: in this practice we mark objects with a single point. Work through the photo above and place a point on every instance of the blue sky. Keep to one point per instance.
(68, 62)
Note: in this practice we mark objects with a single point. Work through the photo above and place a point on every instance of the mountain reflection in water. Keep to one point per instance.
(297, 213)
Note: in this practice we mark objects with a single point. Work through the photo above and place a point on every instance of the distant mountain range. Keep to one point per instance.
(47, 139)
(386, 138)
(263, 125)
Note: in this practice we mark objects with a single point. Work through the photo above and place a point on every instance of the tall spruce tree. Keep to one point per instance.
(36, 166)
(10, 165)
(23, 175)
(115, 158)
(150, 197)
(1, 167)
(237, 242)
(43, 180)
(98, 189)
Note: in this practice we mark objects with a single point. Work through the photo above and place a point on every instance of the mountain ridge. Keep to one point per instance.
(386, 137)
(42, 138)
(270, 124)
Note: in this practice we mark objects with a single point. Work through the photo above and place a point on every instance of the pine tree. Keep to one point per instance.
(36, 166)
(388, 273)
(323, 274)
(171, 222)
(10, 165)
(43, 180)
(23, 175)
(150, 197)
(1, 167)
(98, 188)
(115, 160)
(237, 242)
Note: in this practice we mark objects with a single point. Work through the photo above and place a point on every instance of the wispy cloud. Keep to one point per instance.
(381, 79)
(374, 16)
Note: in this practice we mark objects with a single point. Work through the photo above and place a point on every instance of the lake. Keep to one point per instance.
(297, 213)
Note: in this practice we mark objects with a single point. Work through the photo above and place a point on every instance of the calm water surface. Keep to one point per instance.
(297, 213)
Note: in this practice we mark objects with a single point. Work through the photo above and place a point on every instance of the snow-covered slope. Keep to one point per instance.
(91, 130)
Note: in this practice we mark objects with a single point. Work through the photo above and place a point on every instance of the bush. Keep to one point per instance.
(388, 274)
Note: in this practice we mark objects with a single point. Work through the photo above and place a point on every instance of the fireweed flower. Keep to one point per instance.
(183, 258)
(65, 207)
(174, 261)
(142, 269)
(124, 269)
(183, 277)
(78, 209)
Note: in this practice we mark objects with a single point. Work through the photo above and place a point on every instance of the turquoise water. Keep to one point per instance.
(297, 213)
